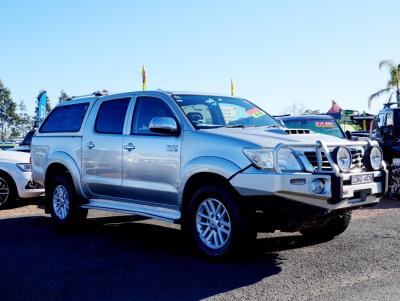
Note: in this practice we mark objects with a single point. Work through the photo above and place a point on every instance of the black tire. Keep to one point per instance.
(241, 235)
(7, 183)
(73, 215)
(334, 227)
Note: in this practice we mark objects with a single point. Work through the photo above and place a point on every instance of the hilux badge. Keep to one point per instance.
(172, 148)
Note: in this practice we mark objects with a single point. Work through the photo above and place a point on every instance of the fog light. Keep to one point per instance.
(343, 158)
(373, 158)
(317, 186)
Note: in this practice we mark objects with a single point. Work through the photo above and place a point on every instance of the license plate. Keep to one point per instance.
(362, 179)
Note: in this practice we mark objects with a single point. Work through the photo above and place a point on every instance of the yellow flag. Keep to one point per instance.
(144, 79)
(232, 88)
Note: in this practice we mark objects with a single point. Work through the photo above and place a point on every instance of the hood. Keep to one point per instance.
(12, 156)
(270, 137)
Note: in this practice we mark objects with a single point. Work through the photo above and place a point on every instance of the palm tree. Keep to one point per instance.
(393, 84)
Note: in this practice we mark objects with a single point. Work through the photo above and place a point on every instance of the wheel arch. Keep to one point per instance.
(205, 168)
(61, 162)
(199, 179)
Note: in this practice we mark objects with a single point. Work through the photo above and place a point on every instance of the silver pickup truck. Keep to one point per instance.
(220, 166)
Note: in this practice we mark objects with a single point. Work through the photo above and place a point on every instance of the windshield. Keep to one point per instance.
(321, 126)
(205, 111)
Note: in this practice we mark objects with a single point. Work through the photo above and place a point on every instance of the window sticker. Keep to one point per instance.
(325, 124)
(255, 112)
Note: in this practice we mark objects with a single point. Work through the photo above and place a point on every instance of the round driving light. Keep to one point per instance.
(317, 186)
(373, 158)
(343, 159)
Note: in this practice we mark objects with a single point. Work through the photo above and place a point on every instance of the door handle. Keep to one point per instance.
(90, 145)
(129, 147)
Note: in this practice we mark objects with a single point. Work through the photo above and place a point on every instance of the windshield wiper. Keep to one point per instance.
(208, 126)
(236, 126)
(214, 126)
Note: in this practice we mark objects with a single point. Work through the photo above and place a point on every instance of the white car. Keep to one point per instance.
(16, 178)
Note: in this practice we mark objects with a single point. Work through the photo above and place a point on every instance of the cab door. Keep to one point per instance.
(102, 149)
(151, 161)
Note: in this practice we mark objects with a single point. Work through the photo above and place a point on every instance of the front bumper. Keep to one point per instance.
(296, 186)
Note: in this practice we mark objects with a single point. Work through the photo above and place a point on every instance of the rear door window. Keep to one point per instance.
(66, 118)
(111, 116)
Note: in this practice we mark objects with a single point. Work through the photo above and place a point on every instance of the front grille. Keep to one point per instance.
(312, 158)
(356, 154)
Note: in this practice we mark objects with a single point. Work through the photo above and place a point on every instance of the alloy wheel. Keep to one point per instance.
(213, 223)
(61, 202)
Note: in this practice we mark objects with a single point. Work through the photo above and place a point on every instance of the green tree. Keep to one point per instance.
(8, 115)
(25, 122)
(392, 85)
(14, 133)
(63, 96)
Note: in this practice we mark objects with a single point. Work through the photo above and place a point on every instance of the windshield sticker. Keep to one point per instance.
(255, 112)
(325, 124)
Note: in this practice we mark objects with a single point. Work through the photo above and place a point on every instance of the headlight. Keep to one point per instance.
(287, 160)
(263, 158)
(373, 158)
(25, 167)
(343, 159)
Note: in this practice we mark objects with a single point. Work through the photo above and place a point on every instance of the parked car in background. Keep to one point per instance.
(321, 124)
(386, 130)
(25, 145)
(7, 145)
(16, 178)
(220, 166)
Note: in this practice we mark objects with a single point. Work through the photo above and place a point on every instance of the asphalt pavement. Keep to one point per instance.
(120, 258)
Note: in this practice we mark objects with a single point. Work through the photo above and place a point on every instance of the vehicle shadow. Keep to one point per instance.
(117, 259)
(18, 203)
(386, 203)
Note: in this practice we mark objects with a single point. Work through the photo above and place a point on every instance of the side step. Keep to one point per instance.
(162, 213)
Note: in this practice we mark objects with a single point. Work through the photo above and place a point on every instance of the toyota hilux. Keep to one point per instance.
(219, 166)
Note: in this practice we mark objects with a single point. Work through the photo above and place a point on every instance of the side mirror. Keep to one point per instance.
(163, 125)
(348, 135)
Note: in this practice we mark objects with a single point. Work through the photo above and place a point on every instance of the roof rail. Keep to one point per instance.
(96, 93)
(100, 93)
(389, 104)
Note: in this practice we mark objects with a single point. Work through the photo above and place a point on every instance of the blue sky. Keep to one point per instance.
(277, 52)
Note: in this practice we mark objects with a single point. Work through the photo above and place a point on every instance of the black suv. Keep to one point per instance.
(386, 130)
